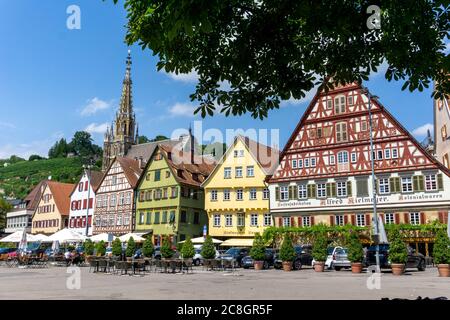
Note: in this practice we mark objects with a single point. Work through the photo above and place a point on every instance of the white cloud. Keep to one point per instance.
(306, 99)
(94, 105)
(7, 125)
(422, 130)
(190, 77)
(25, 150)
(182, 110)
(96, 128)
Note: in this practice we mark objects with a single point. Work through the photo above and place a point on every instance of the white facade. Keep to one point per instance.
(82, 202)
(18, 219)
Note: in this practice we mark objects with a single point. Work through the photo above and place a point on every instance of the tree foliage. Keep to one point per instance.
(88, 247)
(100, 248)
(355, 248)
(131, 247)
(258, 250)
(35, 157)
(319, 250)
(148, 248)
(208, 250)
(441, 248)
(249, 55)
(187, 250)
(287, 251)
(4, 208)
(166, 249)
(398, 253)
(116, 247)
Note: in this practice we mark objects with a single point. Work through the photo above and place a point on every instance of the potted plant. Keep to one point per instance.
(88, 249)
(258, 252)
(441, 253)
(398, 253)
(208, 251)
(100, 249)
(187, 250)
(131, 248)
(166, 249)
(116, 248)
(319, 251)
(287, 253)
(355, 252)
(148, 248)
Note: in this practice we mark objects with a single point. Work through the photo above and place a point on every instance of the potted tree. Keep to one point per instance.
(355, 252)
(116, 248)
(166, 249)
(287, 253)
(187, 253)
(398, 253)
(88, 250)
(208, 251)
(100, 249)
(319, 251)
(258, 252)
(441, 253)
(148, 248)
(131, 248)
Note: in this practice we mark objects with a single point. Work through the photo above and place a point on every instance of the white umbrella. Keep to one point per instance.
(67, 235)
(17, 237)
(101, 237)
(136, 237)
(201, 240)
(23, 242)
(41, 237)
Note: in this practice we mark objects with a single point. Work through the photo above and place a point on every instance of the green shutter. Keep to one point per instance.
(295, 192)
(377, 185)
(392, 184)
(421, 183)
(333, 189)
(398, 185)
(309, 190)
(329, 188)
(416, 183)
(291, 191)
(349, 188)
(277, 193)
(440, 182)
(313, 191)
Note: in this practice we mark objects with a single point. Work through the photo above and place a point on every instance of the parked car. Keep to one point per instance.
(236, 254)
(415, 259)
(339, 259)
(197, 258)
(157, 252)
(247, 261)
(303, 257)
(7, 250)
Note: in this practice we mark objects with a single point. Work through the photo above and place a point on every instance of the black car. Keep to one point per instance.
(247, 261)
(415, 259)
(303, 257)
(236, 254)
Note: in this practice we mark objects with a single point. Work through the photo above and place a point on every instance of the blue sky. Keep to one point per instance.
(55, 81)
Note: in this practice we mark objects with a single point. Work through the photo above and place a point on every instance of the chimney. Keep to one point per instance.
(191, 137)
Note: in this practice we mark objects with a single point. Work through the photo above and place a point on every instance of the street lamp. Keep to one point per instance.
(376, 235)
(87, 169)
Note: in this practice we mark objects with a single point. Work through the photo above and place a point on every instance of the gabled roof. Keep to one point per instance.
(131, 170)
(96, 178)
(34, 196)
(266, 157)
(61, 195)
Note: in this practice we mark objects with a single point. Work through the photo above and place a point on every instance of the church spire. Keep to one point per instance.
(126, 102)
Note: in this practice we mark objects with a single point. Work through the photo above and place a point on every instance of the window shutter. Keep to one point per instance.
(416, 183)
(291, 192)
(398, 186)
(312, 220)
(277, 193)
(441, 216)
(349, 188)
(392, 185)
(294, 192)
(292, 222)
(397, 218)
(345, 219)
(280, 222)
(368, 220)
(440, 182)
(406, 217)
(328, 189)
(332, 220)
(353, 219)
(91, 201)
(422, 218)
(84, 203)
(421, 183)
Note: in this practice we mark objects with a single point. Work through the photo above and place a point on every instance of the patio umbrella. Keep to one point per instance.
(41, 237)
(201, 240)
(66, 236)
(101, 237)
(136, 237)
(23, 242)
(382, 231)
(17, 237)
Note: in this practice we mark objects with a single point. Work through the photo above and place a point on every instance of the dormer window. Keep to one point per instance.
(169, 155)
(180, 173)
(195, 176)
(339, 104)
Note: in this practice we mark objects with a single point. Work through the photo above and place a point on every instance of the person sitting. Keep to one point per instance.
(68, 257)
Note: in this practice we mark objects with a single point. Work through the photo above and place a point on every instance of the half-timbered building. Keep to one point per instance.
(324, 174)
(114, 202)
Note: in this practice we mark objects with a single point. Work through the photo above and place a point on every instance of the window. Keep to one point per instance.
(294, 164)
(213, 195)
(284, 193)
(238, 172)
(239, 194)
(99, 203)
(265, 194)
(216, 220)
(149, 216)
(174, 192)
(387, 153)
(313, 162)
(141, 218)
(164, 217)
(157, 175)
(238, 153)
(360, 220)
(329, 104)
(226, 194)
(164, 193)
(156, 218)
(111, 220)
(430, 182)
(350, 100)
(254, 220)
(341, 189)
(339, 220)
(364, 125)
(353, 157)
(240, 220)
(341, 132)
(114, 180)
(167, 174)
(300, 163)
(286, 221)
(80, 186)
(306, 221)
(252, 194)
(342, 158)
(445, 160)
(339, 104)
(380, 155)
(227, 173)
(172, 216)
(332, 159)
(414, 218)
(250, 171)
(383, 185)
(228, 220)
(121, 198)
(183, 216)
(148, 176)
(321, 190)
(306, 162)
(444, 132)
(302, 191)
(128, 198)
(389, 218)
(267, 219)
(394, 153)
(196, 217)
(407, 185)
(105, 201)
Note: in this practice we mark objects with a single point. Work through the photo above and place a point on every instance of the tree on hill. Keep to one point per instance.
(35, 157)
(143, 139)
(159, 138)
(59, 150)
(4, 208)
(268, 51)
(82, 145)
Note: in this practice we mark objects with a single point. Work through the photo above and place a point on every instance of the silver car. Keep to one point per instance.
(340, 259)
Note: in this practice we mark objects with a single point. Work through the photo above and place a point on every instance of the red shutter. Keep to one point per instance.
(345, 218)
(86, 186)
(91, 201)
(280, 222)
(331, 220)
(90, 220)
(312, 221)
(80, 186)
(368, 220)
(406, 217)
(397, 218)
(84, 203)
(422, 218)
(292, 222)
(441, 216)
(299, 222)
(353, 218)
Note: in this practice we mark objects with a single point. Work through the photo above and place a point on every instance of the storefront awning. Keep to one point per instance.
(237, 242)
